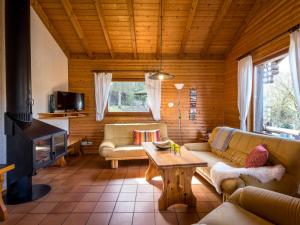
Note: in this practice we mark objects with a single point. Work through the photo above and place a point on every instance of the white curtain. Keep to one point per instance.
(294, 58)
(153, 88)
(245, 74)
(102, 86)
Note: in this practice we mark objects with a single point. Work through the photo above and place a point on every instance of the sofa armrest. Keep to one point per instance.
(107, 144)
(203, 147)
(272, 206)
(106, 147)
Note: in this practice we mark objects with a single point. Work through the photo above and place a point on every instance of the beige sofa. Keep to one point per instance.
(255, 206)
(118, 141)
(281, 151)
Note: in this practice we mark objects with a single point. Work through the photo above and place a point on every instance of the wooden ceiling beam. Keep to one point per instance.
(188, 27)
(256, 6)
(222, 11)
(41, 13)
(132, 27)
(76, 25)
(99, 10)
(162, 3)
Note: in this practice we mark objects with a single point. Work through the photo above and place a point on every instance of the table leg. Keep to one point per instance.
(61, 161)
(151, 171)
(177, 187)
(3, 209)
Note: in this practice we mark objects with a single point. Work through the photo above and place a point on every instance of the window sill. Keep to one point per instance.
(112, 114)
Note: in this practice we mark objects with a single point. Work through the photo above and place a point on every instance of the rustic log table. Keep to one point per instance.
(3, 169)
(176, 171)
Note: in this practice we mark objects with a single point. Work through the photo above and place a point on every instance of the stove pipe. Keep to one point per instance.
(18, 64)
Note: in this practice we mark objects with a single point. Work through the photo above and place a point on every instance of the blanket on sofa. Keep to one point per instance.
(222, 138)
(221, 171)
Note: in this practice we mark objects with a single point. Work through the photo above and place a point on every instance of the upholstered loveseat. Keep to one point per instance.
(281, 151)
(118, 141)
(255, 206)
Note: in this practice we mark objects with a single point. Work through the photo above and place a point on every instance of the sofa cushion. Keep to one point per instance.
(140, 136)
(211, 160)
(126, 151)
(227, 213)
(121, 134)
(258, 157)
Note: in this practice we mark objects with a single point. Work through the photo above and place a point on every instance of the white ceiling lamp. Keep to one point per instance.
(161, 75)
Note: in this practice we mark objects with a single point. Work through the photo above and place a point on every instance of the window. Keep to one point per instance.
(275, 109)
(128, 97)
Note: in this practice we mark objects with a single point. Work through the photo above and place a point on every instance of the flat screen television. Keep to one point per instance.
(69, 101)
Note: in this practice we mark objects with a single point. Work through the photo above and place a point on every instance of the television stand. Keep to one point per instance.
(61, 115)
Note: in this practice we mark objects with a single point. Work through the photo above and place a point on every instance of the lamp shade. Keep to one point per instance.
(160, 75)
(179, 86)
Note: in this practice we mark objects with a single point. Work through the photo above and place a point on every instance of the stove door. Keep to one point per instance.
(59, 145)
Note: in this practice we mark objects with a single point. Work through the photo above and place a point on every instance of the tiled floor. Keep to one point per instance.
(88, 192)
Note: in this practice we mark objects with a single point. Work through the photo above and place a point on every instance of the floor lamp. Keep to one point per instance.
(179, 87)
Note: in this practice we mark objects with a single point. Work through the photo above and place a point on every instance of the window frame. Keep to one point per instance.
(272, 57)
(107, 113)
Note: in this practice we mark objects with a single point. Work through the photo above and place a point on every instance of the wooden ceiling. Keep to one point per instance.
(131, 28)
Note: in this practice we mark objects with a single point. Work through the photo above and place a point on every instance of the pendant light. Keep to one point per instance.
(161, 75)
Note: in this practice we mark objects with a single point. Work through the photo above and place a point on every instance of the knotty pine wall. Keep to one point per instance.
(206, 76)
(272, 19)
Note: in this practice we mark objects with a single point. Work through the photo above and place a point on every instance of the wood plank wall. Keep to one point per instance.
(206, 76)
(272, 19)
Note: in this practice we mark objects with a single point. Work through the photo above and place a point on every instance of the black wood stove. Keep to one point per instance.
(31, 144)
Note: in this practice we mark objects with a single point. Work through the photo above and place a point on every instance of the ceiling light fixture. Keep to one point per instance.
(161, 75)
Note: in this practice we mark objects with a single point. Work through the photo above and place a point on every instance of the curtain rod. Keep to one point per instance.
(99, 71)
(294, 28)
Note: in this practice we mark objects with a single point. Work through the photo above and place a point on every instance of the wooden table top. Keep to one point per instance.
(166, 159)
(6, 167)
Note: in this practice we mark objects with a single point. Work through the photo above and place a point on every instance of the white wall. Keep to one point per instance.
(2, 87)
(49, 68)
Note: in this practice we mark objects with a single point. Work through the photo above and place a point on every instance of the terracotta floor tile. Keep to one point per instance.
(143, 218)
(130, 181)
(52, 197)
(91, 197)
(32, 219)
(166, 219)
(145, 188)
(44, 207)
(127, 197)
(54, 219)
(204, 207)
(116, 181)
(13, 218)
(113, 188)
(144, 197)
(73, 197)
(109, 197)
(81, 188)
(121, 219)
(105, 207)
(124, 207)
(77, 219)
(85, 207)
(25, 208)
(144, 207)
(129, 188)
(99, 219)
(97, 188)
(187, 218)
(64, 207)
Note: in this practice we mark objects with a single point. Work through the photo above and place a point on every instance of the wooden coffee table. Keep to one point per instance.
(176, 172)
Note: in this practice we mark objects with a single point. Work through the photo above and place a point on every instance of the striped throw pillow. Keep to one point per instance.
(140, 136)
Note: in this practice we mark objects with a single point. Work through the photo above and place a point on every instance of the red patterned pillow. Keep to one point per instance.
(140, 136)
(257, 157)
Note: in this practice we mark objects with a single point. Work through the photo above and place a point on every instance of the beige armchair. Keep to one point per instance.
(118, 141)
(255, 206)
